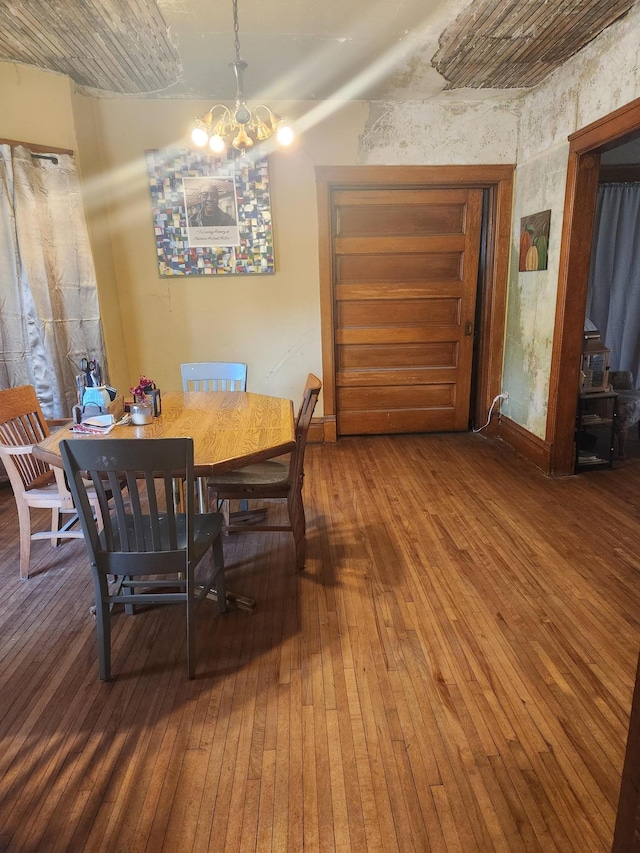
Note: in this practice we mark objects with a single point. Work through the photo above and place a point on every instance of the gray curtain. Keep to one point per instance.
(49, 312)
(613, 301)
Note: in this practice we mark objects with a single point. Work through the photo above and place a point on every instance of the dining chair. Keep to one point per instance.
(214, 376)
(150, 548)
(35, 484)
(277, 478)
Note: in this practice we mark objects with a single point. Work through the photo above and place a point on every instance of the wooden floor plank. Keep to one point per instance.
(452, 671)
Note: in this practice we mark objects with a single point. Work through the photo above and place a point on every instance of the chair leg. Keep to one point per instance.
(622, 435)
(129, 609)
(103, 626)
(225, 509)
(218, 562)
(24, 523)
(202, 493)
(55, 525)
(191, 626)
(298, 527)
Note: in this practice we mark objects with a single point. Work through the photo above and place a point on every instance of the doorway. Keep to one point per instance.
(585, 147)
(338, 186)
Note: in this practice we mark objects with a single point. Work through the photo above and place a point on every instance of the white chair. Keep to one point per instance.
(214, 376)
(34, 484)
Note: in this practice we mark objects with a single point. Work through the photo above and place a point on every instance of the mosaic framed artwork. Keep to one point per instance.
(211, 215)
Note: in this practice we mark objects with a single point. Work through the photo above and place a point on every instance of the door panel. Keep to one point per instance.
(399, 265)
(391, 312)
(431, 355)
(405, 284)
(406, 220)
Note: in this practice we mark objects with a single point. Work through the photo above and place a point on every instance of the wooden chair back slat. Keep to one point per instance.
(214, 376)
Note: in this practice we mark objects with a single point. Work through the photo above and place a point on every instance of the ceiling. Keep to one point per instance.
(302, 50)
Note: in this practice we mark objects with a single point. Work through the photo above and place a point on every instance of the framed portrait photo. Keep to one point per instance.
(211, 215)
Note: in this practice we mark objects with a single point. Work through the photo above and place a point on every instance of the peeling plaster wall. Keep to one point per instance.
(436, 133)
(531, 130)
(598, 80)
(532, 295)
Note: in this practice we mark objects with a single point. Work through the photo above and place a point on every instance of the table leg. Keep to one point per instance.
(240, 602)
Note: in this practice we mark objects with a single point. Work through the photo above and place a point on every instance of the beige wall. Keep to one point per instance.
(152, 324)
(35, 106)
(272, 322)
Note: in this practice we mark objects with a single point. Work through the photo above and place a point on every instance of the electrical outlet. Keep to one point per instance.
(504, 395)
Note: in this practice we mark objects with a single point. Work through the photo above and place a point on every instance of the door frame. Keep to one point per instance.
(498, 181)
(573, 278)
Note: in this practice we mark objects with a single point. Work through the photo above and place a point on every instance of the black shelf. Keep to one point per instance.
(594, 432)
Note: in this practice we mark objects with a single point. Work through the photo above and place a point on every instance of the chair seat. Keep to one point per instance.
(261, 474)
(45, 496)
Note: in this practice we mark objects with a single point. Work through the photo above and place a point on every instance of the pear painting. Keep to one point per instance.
(534, 241)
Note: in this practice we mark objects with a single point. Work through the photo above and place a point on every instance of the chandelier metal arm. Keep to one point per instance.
(241, 121)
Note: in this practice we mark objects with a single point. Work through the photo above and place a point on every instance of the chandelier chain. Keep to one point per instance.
(236, 30)
(241, 126)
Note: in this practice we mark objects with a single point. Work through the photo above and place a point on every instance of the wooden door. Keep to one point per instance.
(405, 281)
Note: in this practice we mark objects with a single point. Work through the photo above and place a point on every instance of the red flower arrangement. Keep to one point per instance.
(144, 387)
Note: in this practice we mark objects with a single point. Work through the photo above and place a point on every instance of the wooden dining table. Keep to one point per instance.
(229, 429)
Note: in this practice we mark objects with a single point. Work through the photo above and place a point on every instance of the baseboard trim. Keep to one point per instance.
(321, 430)
(535, 450)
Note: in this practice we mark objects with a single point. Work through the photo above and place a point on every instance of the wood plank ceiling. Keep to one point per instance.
(132, 47)
(504, 44)
(110, 45)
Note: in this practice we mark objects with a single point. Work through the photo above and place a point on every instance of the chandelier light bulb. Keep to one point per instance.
(285, 135)
(199, 136)
(216, 144)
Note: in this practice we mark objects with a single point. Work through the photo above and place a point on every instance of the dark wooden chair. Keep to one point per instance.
(35, 485)
(150, 548)
(278, 478)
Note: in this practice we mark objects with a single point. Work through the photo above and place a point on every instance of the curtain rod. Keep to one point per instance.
(51, 157)
(35, 148)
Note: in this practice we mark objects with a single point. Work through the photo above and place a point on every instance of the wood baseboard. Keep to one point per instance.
(535, 450)
(322, 429)
(526, 444)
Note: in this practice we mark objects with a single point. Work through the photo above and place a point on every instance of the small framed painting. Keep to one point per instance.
(534, 241)
(211, 215)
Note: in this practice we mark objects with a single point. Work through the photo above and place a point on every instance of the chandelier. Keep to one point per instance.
(243, 126)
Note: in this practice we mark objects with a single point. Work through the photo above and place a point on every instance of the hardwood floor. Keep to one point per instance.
(453, 671)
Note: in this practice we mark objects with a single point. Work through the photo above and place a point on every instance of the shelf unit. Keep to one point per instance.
(595, 427)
